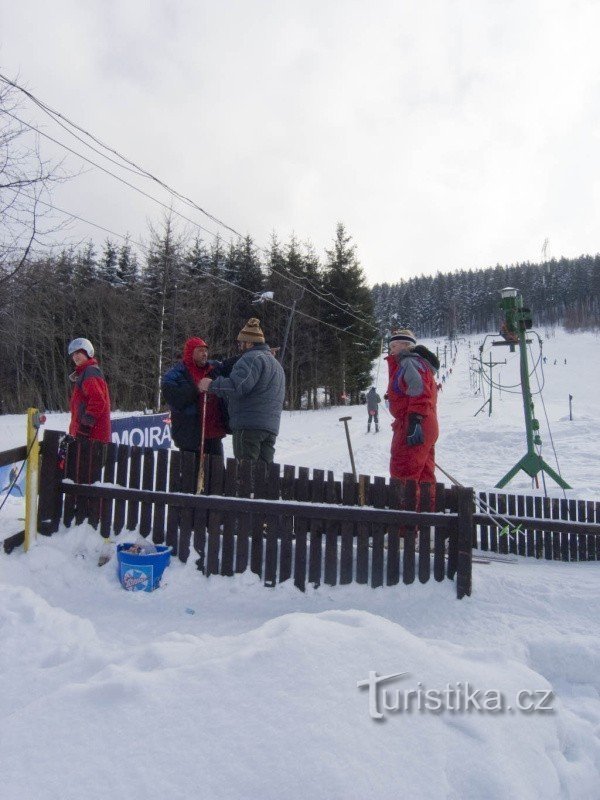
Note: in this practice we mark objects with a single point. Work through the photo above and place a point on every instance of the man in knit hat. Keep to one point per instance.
(181, 392)
(412, 394)
(255, 392)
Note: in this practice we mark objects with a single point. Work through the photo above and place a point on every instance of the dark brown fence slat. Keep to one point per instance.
(581, 538)
(409, 535)
(504, 538)
(50, 500)
(301, 526)
(214, 471)
(97, 453)
(173, 512)
(425, 536)
(121, 480)
(229, 519)
(439, 536)
(186, 521)
(147, 483)
(591, 515)
(395, 501)
(539, 534)
(106, 511)
(521, 542)
(70, 474)
(315, 553)
(453, 539)
(135, 479)
(348, 532)
(244, 524)
(84, 475)
(529, 533)
(158, 522)
(493, 506)
(16, 454)
(547, 514)
(556, 536)
(332, 536)
(564, 537)
(484, 529)
(379, 499)
(464, 527)
(572, 512)
(287, 525)
(511, 510)
(272, 526)
(258, 520)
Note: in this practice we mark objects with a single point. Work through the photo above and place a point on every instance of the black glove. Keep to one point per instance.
(415, 431)
(63, 445)
(84, 431)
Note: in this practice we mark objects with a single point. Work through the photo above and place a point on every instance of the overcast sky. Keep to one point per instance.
(444, 134)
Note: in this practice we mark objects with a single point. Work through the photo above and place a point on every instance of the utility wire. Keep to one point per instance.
(131, 166)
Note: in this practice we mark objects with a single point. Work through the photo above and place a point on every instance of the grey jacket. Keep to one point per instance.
(255, 391)
(373, 400)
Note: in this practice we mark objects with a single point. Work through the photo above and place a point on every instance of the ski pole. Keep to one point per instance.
(200, 484)
(345, 421)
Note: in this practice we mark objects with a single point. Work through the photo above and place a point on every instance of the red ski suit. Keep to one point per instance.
(90, 403)
(412, 389)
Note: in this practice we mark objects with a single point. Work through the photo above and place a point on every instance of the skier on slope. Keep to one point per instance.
(373, 401)
(412, 393)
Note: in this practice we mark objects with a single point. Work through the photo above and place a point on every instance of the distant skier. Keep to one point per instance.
(373, 401)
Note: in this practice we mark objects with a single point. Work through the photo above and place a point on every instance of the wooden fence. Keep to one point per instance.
(281, 522)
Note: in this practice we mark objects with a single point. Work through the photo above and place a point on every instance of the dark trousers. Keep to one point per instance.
(373, 415)
(254, 445)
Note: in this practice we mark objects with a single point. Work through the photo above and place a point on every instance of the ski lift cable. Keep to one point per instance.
(131, 166)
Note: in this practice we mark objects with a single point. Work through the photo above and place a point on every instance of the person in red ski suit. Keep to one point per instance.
(412, 395)
(180, 390)
(90, 400)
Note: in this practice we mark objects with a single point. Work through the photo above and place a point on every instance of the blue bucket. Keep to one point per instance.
(141, 572)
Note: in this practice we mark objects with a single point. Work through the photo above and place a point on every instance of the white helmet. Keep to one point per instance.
(81, 344)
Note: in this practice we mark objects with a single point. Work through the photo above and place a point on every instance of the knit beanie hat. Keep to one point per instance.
(251, 332)
(403, 335)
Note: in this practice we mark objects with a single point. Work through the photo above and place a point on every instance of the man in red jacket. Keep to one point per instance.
(412, 395)
(90, 401)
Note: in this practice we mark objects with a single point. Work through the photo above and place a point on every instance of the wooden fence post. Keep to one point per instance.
(50, 497)
(465, 505)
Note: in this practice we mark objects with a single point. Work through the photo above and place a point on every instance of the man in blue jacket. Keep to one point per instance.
(255, 391)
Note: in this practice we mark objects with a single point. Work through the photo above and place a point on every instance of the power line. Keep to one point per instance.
(56, 116)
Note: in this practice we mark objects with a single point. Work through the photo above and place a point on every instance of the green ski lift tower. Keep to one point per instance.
(517, 321)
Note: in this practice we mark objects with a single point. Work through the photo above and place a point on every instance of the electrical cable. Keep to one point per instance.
(131, 166)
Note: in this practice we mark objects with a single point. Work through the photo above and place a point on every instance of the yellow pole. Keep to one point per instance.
(31, 476)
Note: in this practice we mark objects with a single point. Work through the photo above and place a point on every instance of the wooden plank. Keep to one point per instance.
(84, 475)
(147, 483)
(288, 482)
(50, 500)
(158, 522)
(186, 521)
(573, 548)
(538, 534)
(593, 550)
(244, 526)
(547, 514)
(301, 527)
(529, 532)
(135, 480)
(493, 506)
(440, 536)
(16, 454)
(106, 512)
(229, 519)
(581, 538)
(409, 534)
(348, 532)
(425, 536)
(484, 542)
(379, 499)
(504, 539)
(452, 564)
(272, 526)
(121, 480)
(332, 536)
(395, 500)
(556, 536)
(315, 553)
(173, 512)
(259, 474)
(521, 542)
(71, 470)
(214, 471)
(465, 552)
(97, 453)
(565, 554)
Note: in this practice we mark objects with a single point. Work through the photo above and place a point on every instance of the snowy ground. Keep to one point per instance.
(221, 688)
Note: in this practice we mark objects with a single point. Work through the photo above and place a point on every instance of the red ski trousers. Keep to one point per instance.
(417, 462)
